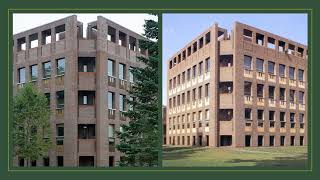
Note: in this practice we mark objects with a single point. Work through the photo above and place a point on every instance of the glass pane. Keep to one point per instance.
(291, 73)
(47, 69)
(110, 100)
(259, 65)
(34, 72)
(60, 66)
(247, 62)
(282, 70)
(121, 71)
(271, 67)
(300, 77)
(22, 75)
(110, 67)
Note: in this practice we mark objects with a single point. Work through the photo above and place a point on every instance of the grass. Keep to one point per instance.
(284, 157)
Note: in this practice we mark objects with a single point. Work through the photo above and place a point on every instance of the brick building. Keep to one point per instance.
(86, 82)
(246, 88)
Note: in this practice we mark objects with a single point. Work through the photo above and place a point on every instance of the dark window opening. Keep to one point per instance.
(86, 131)
(33, 163)
(271, 141)
(259, 39)
(260, 90)
(247, 114)
(225, 140)
(111, 34)
(46, 37)
(300, 51)
(247, 140)
(46, 161)
(226, 60)
(226, 87)
(225, 114)
(86, 97)
(247, 34)
(260, 141)
(86, 64)
(200, 43)
(194, 47)
(60, 32)
(282, 140)
(132, 43)
(247, 88)
(184, 55)
(189, 50)
(33, 40)
(271, 43)
(60, 99)
(292, 138)
(207, 38)
(281, 46)
(291, 49)
(86, 161)
(21, 162)
(21, 44)
(122, 39)
(271, 92)
(60, 161)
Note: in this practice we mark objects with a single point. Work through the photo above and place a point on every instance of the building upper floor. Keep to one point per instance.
(248, 38)
(67, 34)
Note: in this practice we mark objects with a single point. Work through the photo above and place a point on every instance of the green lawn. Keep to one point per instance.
(280, 157)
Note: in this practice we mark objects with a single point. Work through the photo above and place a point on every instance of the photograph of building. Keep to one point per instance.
(235, 87)
(85, 79)
(245, 88)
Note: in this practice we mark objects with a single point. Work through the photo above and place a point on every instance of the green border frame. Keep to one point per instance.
(160, 11)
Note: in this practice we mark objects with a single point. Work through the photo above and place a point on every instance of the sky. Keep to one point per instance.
(180, 29)
(25, 21)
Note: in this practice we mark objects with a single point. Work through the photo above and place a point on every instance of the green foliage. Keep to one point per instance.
(31, 128)
(139, 140)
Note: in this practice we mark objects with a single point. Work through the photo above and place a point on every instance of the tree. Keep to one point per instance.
(139, 139)
(31, 128)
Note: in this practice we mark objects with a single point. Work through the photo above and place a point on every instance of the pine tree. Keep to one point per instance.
(139, 139)
(31, 127)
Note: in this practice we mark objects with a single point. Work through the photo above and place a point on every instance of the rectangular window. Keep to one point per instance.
(271, 115)
(291, 95)
(188, 96)
(22, 75)
(47, 69)
(200, 92)
(247, 114)
(271, 67)
(260, 88)
(60, 99)
(60, 161)
(260, 115)
(122, 99)
(59, 134)
(34, 72)
(301, 75)
(111, 67)
(292, 117)
(111, 100)
(122, 71)
(259, 64)
(206, 90)
(247, 62)
(189, 74)
(194, 94)
(271, 92)
(301, 97)
(247, 88)
(301, 118)
(86, 131)
(291, 73)
(183, 77)
(207, 65)
(282, 94)
(200, 68)
(282, 116)
(60, 66)
(194, 71)
(282, 70)
(131, 77)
